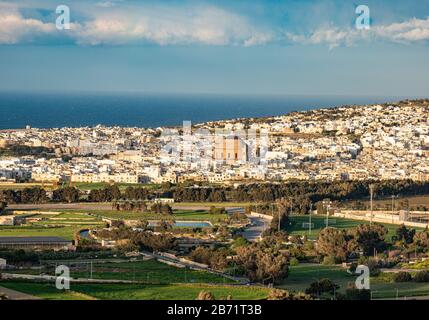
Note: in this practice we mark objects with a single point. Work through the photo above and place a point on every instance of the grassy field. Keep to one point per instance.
(63, 225)
(296, 226)
(150, 271)
(44, 291)
(301, 276)
(183, 215)
(68, 222)
(135, 292)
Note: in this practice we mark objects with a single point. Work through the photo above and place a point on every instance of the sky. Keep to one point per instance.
(300, 47)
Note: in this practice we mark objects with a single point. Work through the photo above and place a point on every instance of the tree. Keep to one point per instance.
(318, 288)
(404, 234)
(262, 264)
(332, 242)
(421, 239)
(371, 238)
(68, 194)
(3, 206)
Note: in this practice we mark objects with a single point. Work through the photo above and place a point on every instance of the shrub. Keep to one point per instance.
(293, 262)
(330, 260)
(422, 276)
(279, 294)
(402, 277)
(205, 295)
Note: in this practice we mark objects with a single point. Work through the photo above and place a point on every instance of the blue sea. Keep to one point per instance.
(47, 110)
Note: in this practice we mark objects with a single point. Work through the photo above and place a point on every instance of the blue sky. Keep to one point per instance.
(266, 47)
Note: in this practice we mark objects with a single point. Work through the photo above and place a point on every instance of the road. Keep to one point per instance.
(257, 227)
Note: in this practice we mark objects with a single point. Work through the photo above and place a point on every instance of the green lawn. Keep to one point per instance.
(301, 276)
(296, 226)
(66, 232)
(150, 271)
(136, 292)
(44, 290)
(404, 289)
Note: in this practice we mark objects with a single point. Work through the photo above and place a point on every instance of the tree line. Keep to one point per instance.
(300, 194)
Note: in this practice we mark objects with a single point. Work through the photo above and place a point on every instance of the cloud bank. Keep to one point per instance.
(110, 23)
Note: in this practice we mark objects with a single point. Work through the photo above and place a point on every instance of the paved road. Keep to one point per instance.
(254, 232)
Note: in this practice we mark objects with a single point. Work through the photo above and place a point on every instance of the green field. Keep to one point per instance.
(296, 226)
(135, 291)
(63, 225)
(150, 271)
(301, 276)
(68, 222)
(183, 215)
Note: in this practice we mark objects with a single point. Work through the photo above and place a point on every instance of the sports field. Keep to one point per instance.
(299, 225)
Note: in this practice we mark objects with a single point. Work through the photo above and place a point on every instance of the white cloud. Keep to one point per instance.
(166, 26)
(414, 30)
(112, 22)
(14, 28)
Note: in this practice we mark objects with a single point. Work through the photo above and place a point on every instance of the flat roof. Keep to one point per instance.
(32, 240)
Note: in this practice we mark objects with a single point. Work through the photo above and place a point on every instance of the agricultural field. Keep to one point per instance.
(63, 225)
(135, 291)
(298, 225)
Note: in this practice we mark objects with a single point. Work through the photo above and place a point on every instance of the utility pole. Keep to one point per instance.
(278, 208)
(393, 206)
(371, 191)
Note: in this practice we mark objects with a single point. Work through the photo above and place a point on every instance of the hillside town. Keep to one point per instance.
(380, 142)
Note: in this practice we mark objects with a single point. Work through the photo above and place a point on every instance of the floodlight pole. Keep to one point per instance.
(309, 225)
(371, 191)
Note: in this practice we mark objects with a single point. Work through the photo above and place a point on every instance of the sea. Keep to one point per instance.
(56, 110)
